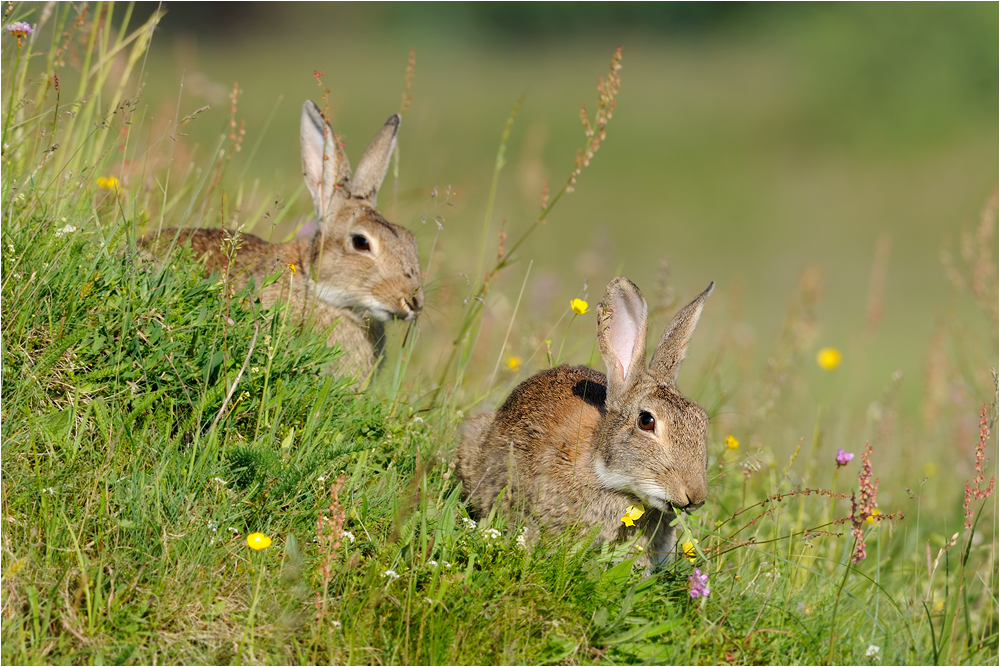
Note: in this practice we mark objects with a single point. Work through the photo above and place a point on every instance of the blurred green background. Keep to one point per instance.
(750, 142)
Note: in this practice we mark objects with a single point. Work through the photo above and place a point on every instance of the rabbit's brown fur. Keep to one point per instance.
(567, 446)
(356, 272)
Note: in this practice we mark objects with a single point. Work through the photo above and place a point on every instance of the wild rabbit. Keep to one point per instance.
(357, 270)
(575, 448)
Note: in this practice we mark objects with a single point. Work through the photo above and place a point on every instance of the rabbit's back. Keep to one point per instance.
(254, 257)
(538, 444)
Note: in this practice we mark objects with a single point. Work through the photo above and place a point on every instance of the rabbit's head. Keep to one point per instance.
(363, 262)
(651, 441)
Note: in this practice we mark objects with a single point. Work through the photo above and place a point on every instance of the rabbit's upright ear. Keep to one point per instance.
(375, 162)
(323, 164)
(673, 346)
(621, 333)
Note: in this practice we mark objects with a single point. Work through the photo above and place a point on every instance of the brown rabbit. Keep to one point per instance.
(575, 448)
(356, 272)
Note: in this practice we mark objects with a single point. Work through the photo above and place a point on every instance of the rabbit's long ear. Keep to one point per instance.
(323, 164)
(621, 333)
(375, 162)
(673, 346)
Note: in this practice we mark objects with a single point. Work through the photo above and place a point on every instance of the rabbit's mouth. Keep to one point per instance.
(409, 309)
(406, 311)
(661, 503)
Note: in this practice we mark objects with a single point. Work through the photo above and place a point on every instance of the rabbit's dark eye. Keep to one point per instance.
(645, 421)
(360, 243)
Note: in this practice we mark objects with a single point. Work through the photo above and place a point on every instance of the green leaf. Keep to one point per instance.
(558, 649)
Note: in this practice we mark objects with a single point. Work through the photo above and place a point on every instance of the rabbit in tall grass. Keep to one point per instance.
(573, 447)
(356, 272)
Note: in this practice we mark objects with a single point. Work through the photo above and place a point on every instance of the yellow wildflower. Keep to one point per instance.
(828, 358)
(871, 519)
(579, 306)
(108, 183)
(731, 442)
(689, 552)
(633, 513)
(514, 364)
(291, 267)
(258, 541)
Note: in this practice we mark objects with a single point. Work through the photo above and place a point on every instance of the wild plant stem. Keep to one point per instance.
(836, 604)
(13, 90)
(498, 166)
(563, 341)
(510, 326)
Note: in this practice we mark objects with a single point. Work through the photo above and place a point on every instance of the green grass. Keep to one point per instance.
(154, 417)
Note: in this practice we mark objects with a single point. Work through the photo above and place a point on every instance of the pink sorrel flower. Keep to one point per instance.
(843, 457)
(19, 29)
(698, 583)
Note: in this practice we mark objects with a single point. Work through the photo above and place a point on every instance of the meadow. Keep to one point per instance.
(834, 170)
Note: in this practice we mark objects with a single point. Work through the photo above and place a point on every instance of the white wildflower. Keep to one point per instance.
(348, 535)
(68, 229)
(321, 479)
(872, 651)
(446, 564)
(336, 625)
(491, 533)
(390, 575)
(469, 523)
(219, 480)
(432, 563)
(49, 490)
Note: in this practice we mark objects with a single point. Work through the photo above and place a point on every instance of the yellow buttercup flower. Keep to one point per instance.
(514, 364)
(871, 519)
(108, 183)
(258, 541)
(828, 358)
(579, 306)
(633, 513)
(291, 267)
(689, 552)
(731, 442)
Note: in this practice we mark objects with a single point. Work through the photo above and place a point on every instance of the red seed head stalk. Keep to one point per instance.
(973, 493)
(607, 90)
(863, 504)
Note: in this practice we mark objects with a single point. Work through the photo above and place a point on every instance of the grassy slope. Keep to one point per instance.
(128, 491)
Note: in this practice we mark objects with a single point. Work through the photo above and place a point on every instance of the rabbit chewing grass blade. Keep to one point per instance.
(575, 448)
